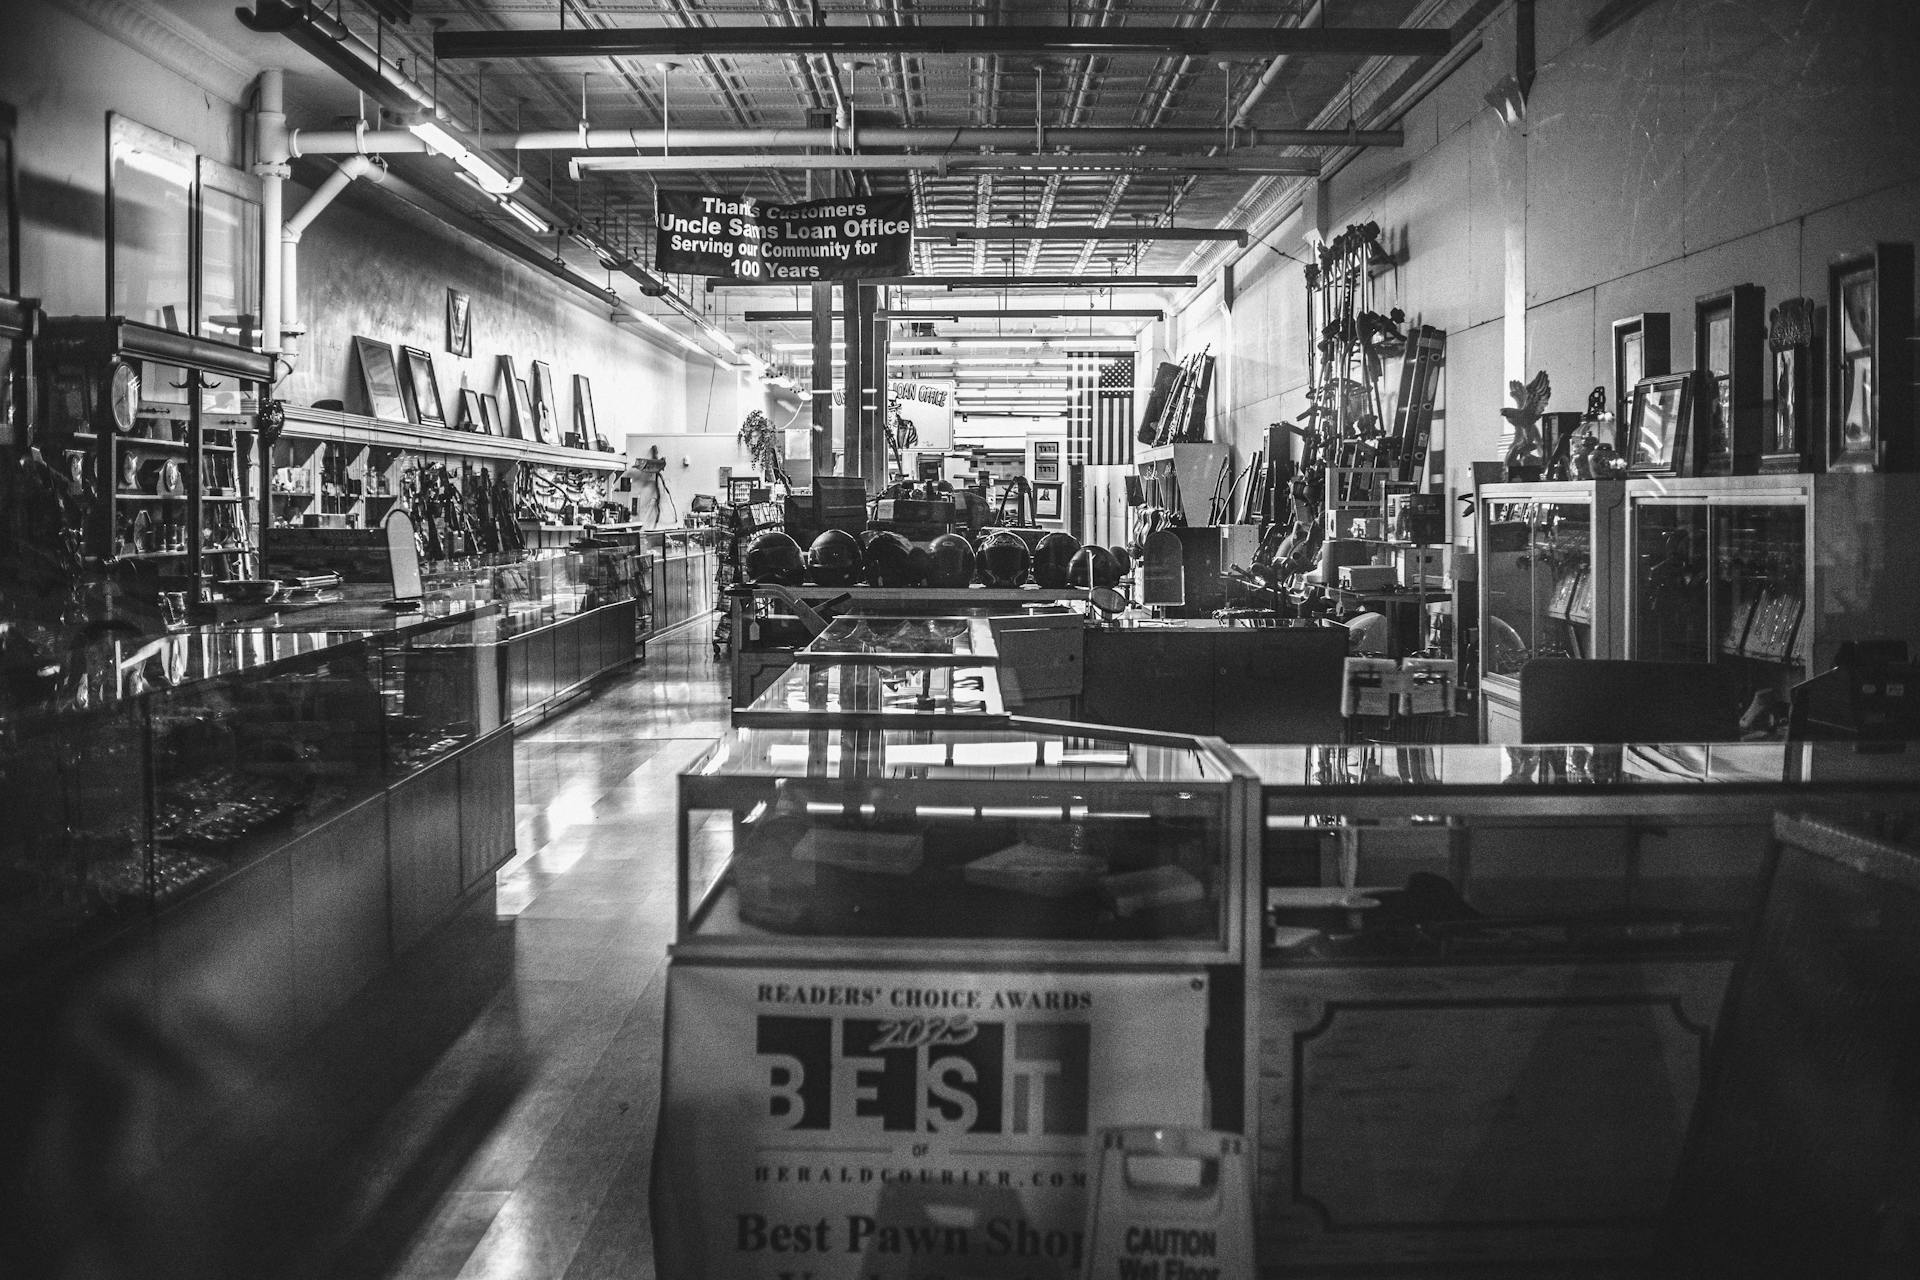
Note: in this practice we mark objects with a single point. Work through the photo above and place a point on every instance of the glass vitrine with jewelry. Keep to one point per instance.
(1550, 583)
(1038, 838)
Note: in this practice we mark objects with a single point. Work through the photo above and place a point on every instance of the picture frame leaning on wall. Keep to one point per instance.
(1870, 361)
(1662, 438)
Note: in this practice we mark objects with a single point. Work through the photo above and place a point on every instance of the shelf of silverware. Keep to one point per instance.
(295, 806)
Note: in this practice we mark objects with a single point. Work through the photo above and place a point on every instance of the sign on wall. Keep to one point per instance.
(854, 1124)
(927, 406)
(740, 238)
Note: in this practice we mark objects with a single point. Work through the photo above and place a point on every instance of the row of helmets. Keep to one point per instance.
(885, 559)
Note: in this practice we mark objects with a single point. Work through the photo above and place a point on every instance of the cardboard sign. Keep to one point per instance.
(868, 1124)
(740, 238)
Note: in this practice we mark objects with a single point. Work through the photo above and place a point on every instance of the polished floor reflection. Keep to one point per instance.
(557, 1187)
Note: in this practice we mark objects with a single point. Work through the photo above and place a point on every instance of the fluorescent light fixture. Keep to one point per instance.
(525, 216)
(478, 168)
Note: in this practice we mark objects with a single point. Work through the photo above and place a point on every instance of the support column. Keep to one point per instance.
(874, 389)
(823, 439)
(853, 376)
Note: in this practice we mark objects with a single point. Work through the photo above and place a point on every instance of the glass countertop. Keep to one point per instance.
(999, 755)
(877, 694)
(960, 641)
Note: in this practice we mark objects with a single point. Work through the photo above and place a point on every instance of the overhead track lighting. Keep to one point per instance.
(883, 41)
(994, 282)
(1115, 232)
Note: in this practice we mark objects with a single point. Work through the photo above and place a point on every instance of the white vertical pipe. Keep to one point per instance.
(270, 163)
(295, 227)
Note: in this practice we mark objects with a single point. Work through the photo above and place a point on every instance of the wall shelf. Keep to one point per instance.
(333, 425)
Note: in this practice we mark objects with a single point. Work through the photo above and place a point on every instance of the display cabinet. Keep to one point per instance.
(19, 327)
(1550, 583)
(1042, 839)
(878, 695)
(156, 431)
(1769, 575)
(1489, 979)
(166, 765)
(563, 621)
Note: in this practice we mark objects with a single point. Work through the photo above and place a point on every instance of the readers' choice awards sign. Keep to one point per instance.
(740, 238)
(854, 1124)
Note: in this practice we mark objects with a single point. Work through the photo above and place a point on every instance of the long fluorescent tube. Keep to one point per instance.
(484, 175)
(525, 216)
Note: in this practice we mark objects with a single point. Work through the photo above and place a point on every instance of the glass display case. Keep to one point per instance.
(1769, 575)
(1489, 979)
(878, 695)
(168, 763)
(1550, 583)
(922, 641)
(1045, 840)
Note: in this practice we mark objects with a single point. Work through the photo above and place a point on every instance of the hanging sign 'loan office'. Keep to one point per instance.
(740, 238)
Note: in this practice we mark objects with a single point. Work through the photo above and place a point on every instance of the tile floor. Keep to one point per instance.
(555, 1185)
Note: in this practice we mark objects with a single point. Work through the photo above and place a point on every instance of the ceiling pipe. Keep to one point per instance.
(333, 43)
(312, 142)
(344, 173)
(1274, 68)
(995, 282)
(1010, 40)
(943, 164)
(987, 313)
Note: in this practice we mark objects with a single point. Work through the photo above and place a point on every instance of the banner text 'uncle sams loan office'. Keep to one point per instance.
(739, 238)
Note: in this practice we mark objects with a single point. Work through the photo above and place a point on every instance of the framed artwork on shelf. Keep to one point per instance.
(459, 323)
(490, 413)
(380, 379)
(1661, 439)
(585, 426)
(422, 386)
(1791, 442)
(546, 403)
(472, 416)
(1729, 352)
(519, 422)
(523, 405)
(1642, 348)
(1870, 360)
(1046, 502)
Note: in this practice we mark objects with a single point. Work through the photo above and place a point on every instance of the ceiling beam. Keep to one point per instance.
(1011, 40)
(1082, 233)
(989, 282)
(982, 313)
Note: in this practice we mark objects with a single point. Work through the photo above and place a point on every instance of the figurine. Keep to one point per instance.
(1526, 455)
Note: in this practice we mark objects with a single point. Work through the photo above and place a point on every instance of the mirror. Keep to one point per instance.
(149, 225)
(9, 207)
(228, 303)
(403, 553)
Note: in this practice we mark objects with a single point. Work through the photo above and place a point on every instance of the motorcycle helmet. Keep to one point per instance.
(834, 559)
(1003, 559)
(949, 561)
(1052, 558)
(1093, 566)
(772, 556)
(889, 559)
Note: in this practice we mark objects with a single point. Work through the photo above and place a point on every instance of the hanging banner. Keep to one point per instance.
(740, 238)
(857, 1124)
(928, 409)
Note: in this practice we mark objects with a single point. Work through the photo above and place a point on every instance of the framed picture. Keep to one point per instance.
(471, 414)
(1869, 360)
(519, 421)
(1642, 348)
(490, 413)
(459, 323)
(1660, 434)
(1791, 443)
(1046, 448)
(1045, 471)
(584, 424)
(546, 403)
(380, 378)
(1729, 341)
(1046, 502)
(523, 411)
(422, 386)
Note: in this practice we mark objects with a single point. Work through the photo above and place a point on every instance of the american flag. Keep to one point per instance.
(1100, 425)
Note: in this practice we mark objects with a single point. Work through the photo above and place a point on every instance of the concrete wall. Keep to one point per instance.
(1701, 144)
(368, 265)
